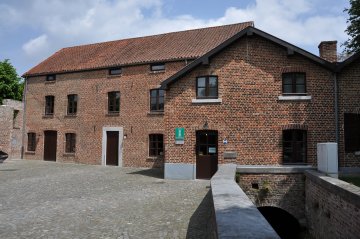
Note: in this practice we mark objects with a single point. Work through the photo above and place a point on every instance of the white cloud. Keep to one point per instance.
(36, 46)
(62, 23)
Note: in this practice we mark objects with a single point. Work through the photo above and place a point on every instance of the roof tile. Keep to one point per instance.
(164, 47)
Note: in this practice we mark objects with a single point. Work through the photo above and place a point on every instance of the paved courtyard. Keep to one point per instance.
(54, 200)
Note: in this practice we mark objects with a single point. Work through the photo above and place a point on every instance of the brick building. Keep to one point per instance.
(192, 98)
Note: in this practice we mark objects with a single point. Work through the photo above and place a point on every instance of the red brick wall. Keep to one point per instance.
(285, 191)
(250, 116)
(349, 102)
(92, 87)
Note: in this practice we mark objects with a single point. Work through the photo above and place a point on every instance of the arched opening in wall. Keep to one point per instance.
(285, 224)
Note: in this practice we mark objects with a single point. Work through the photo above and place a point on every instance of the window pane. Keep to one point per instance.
(201, 92)
(287, 80)
(153, 93)
(300, 88)
(115, 71)
(201, 82)
(213, 81)
(161, 92)
(287, 89)
(300, 80)
(213, 92)
(158, 67)
(155, 144)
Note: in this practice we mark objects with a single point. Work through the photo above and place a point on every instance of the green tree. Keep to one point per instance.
(352, 45)
(11, 85)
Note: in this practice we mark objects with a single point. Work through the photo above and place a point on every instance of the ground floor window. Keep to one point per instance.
(294, 146)
(70, 142)
(156, 145)
(31, 142)
(352, 132)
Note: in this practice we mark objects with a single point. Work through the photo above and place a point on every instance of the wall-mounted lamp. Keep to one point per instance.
(125, 136)
(205, 126)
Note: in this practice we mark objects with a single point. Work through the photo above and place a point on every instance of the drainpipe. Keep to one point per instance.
(336, 108)
(24, 118)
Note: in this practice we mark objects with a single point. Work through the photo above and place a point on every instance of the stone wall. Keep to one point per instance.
(236, 216)
(332, 207)
(285, 191)
(11, 121)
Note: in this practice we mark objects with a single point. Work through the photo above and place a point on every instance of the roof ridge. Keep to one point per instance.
(160, 34)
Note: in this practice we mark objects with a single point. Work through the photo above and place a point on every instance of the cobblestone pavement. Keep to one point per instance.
(54, 200)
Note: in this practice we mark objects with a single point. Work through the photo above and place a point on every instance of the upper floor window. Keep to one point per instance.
(294, 146)
(157, 67)
(72, 104)
(115, 71)
(352, 132)
(294, 83)
(70, 143)
(156, 145)
(50, 77)
(114, 102)
(31, 144)
(207, 87)
(49, 104)
(156, 100)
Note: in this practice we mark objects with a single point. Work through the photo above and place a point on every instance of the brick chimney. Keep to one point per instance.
(328, 50)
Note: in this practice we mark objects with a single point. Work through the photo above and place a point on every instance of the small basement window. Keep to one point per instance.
(157, 67)
(115, 71)
(50, 77)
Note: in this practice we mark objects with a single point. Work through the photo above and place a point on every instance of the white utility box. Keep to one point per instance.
(327, 158)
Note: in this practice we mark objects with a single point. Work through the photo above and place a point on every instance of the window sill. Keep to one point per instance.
(114, 76)
(156, 113)
(156, 72)
(70, 116)
(357, 153)
(114, 114)
(48, 116)
(30, 152)
(206, 101)
(69, 154)
(294, 97)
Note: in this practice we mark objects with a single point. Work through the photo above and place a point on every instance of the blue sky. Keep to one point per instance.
(32, 30)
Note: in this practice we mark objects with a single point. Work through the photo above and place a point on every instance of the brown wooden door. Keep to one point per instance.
(50, 143)
(112, 148)
(206, 153)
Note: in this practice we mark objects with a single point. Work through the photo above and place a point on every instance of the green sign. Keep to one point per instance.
(179, 134)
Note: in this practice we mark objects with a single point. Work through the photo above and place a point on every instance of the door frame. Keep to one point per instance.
(56, 145)
(104, 144)
(196, 148)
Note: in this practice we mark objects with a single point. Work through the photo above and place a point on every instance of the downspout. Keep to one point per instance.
(24, 118)
(336, 108)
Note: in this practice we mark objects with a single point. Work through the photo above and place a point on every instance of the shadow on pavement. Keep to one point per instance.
(152, 172)
(200, 224)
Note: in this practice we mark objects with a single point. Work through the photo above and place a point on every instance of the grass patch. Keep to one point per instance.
(352, 180)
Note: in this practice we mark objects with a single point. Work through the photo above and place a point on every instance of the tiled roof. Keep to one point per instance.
(189, 44)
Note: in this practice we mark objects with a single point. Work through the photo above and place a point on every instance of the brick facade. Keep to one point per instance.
(251, 113)
(11, 124)
(92, 87)
(251, 116)
(349, 102)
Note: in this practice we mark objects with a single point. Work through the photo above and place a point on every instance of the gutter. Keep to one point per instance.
(24, 118)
